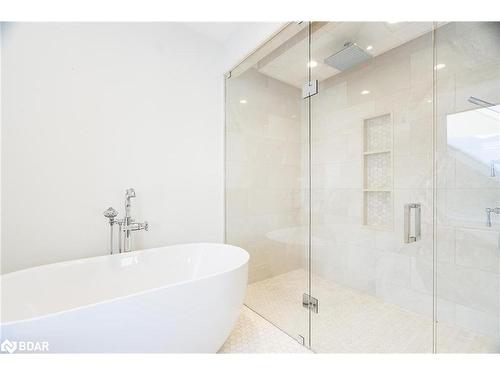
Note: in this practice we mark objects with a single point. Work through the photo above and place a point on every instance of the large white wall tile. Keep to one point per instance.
(264, 173)
(478, 249)
(477, 321)
(394, 268)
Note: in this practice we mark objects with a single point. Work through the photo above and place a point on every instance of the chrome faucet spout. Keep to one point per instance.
(127, 225)
(129, 194)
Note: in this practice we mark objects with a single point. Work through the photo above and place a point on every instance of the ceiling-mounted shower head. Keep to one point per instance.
(482, 103)
(347, 57)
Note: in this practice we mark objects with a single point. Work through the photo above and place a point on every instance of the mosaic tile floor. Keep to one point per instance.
(353, 322)
(253, 334)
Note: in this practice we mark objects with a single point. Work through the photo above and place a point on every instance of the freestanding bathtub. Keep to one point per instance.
(182, 298)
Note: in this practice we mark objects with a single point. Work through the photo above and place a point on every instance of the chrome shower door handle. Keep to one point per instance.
(410, 237)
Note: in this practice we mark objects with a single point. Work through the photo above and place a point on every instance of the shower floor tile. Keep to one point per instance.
(350, 321)
(253, 334)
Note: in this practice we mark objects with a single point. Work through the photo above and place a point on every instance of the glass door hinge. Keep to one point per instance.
(301, 340)
(310, 89)
(309, 302)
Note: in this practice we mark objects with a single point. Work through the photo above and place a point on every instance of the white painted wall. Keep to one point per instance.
(238, 38)
(92, 109)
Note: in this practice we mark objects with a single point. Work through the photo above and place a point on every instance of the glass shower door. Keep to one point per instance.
(267, 186)
(372, 187)
(363, 177)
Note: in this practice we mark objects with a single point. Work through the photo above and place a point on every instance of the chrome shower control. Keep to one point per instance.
(490, 211)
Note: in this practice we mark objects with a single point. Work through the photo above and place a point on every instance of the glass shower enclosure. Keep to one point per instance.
(363, 177)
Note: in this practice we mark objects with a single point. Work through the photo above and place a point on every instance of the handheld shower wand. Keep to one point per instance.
(111, 213)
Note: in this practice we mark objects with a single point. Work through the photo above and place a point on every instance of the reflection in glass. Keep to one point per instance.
(475, 136)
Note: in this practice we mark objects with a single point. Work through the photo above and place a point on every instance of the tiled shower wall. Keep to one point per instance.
(377, 261)
(263, 165)
(372, 260)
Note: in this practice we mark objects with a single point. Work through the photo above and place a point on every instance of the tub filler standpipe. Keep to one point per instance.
(126, 226)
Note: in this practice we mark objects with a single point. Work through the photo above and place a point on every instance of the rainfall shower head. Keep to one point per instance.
(482, 103)
(347, 57)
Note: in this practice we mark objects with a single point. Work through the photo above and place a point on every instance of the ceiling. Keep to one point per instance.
(237, 39)
(288, 62)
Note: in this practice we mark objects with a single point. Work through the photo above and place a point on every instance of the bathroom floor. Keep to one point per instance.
(349, 321)
(254, 334)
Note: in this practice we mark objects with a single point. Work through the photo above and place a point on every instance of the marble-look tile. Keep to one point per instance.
(471, 173)
(279, 300)
(405, 298)
(465, 207)
(394, 269)
(446, 241)
(254, 334)
(350, 321)
(478, 249)
(362, 268)
(477, 321)
(413, 172)
(469, 287)
(263, 169)
(445, 170)
(421, 275)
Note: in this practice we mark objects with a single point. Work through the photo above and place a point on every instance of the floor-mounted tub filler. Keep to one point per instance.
(182, 298)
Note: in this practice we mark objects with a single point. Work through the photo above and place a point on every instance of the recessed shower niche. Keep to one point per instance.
(378, 171)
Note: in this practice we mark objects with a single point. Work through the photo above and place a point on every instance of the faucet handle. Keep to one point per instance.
(146, 226)
(110, 213)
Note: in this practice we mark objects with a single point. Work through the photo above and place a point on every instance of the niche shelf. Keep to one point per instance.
(378, 172)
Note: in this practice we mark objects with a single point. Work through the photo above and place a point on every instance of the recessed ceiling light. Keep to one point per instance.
(312, 64)
(365, 92)
(243, 101)
(440, 66)
(369, 48)
(392, 22)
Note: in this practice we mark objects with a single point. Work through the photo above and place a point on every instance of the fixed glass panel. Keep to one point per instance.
(372, 187)
(267, 189)
(468, 186)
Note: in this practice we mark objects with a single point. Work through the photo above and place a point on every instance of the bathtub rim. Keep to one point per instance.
(244, 263)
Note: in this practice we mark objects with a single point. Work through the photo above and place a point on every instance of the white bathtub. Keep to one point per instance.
(182, 298)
